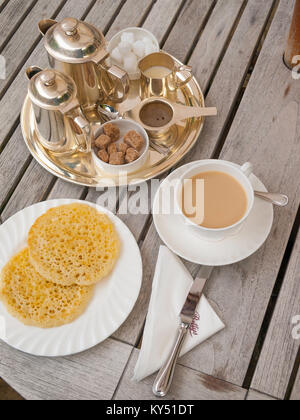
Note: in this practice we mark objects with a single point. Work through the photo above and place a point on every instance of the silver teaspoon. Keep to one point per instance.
(274, 198)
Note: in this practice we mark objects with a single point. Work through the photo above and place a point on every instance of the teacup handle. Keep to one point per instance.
(181, 69)
(247, 169)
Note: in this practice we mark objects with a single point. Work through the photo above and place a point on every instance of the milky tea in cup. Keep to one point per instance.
(225, 199)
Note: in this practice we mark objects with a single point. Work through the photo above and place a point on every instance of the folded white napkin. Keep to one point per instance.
(171, 285)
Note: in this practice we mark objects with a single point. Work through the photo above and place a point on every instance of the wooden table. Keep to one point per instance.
(236, 49)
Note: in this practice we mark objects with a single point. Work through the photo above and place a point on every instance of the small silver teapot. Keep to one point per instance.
(60, 122)
(78, 50)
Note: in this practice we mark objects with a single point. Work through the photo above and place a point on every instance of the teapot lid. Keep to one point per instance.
(52, 90)
(74, 41)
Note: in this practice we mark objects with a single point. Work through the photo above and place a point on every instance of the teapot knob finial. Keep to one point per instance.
(48, 78)
(69, 26)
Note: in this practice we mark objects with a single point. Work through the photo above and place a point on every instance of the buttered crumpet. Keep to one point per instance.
(36, 302)
(73, 244)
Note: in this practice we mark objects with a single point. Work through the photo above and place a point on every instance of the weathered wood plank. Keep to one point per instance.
(12, 101)
(102, 12)
(207, 53)
(91, 375)
(268, 113)
(21, 198)
(12, 161)
(257, 396)
(187, 385)
(11, 16)
(295, 396)
(280, 349)
(188, 24)
(2, 3)
(228, 80)
(100, 20)
(158, 22)
(63, 189)
(15, 154)
(161, 17)
(25, 37)
(132, 328)
(246, 38)
(132, 14)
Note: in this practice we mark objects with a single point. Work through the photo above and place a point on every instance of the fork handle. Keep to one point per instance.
(165, 376)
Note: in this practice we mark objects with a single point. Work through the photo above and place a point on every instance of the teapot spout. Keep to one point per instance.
(32, 71)
(45, 25)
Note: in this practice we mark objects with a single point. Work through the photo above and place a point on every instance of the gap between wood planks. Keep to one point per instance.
(15, 73)
(9, 391)
(283, 268)
(106, 29)
(269, 313)
(248, 75)
(228, 41)
(293, 378)
(164, 40)
(16, 124)
(245, 81)
(15, 27)
(166, 36)
(5, 3)
(32, 48)
(29, 52)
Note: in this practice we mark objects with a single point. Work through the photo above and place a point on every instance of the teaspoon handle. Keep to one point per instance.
(280, 200)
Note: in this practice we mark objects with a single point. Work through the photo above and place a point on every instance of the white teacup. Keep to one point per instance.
(241, 174)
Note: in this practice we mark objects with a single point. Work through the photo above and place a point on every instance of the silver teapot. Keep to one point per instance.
(60, 122)
(78, 50)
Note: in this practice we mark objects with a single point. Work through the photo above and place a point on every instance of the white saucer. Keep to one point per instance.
(184, 242)
(113, 300)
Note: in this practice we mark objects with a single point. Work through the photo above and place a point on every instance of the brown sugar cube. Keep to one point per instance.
(102, 141)
(112, 148)
(117, 158)
(134, 140)
(103, 155)
(131, 155)
(112, 131)
(123, 147)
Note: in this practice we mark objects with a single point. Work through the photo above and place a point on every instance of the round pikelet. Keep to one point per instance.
(73, 244)
(37, 302)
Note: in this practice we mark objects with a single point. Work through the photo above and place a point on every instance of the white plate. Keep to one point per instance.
(113, 300)
(185, 243)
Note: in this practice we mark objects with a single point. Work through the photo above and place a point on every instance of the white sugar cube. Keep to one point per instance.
(150, 48)
(128, 37)
(130, 63)
(139, 49)
(125, 48)
(116, 55)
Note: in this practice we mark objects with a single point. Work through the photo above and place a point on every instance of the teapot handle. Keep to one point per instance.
(45, 24)
(86, 138)
(32, 71)
(116, 76)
